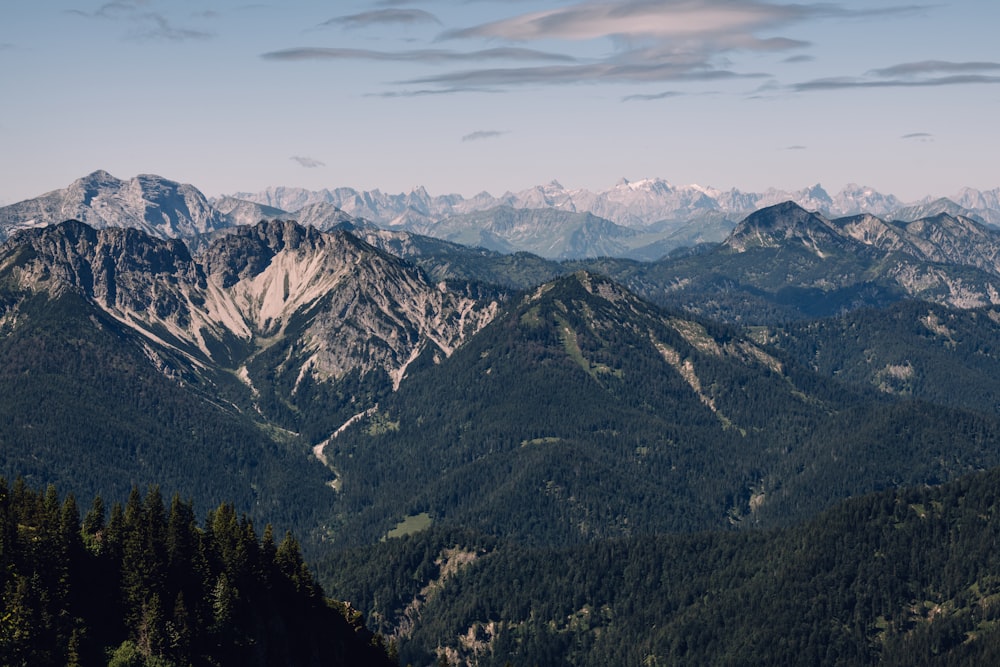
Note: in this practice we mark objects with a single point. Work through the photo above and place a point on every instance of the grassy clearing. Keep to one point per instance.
(541, 441)
(412, 524)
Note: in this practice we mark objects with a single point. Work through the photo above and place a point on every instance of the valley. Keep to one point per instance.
(498, 455)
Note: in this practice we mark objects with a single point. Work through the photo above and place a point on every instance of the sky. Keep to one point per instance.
(465, 96)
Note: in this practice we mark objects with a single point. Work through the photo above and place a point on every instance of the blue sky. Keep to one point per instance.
(470, 95)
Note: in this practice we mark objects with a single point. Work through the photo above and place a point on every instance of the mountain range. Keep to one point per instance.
(442, 419)
(336, 340)
(642, 220)
(635, 204)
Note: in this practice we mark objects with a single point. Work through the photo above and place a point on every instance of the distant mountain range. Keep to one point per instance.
(636, 204)
(642, 220)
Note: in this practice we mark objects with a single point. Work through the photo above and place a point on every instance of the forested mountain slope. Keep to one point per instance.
(584, 413)
(904, 577)
(938, 354)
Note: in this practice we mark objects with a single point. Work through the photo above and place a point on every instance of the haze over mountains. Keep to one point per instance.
(628, 203)
(642, 220)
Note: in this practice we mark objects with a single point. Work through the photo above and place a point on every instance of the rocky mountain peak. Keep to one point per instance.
(96, 181)
(154, 204)
(330, 302)
(123, 270)
(778, 224)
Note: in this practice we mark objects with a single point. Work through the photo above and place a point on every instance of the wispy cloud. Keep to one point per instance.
(479, 135)
(432, 56)
(796, 147)
(110, 10)
(147, 24)
(651, 97)
(926, 67)
(307, 162)
(156, 26)
(923, 74)
(724, 21)
(425, 92)
(383, 17)
(654, 40)
(847, 83)
(923, 137)
(571, 74)
(650, 41)
(642, 18)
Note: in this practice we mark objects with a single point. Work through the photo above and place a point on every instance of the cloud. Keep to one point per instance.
(418, 55)
(922, 137)
(654, 40)
(483, 134)
(650, 41)
(935, 67)
(796, 147)
(570, 74)
(641, 18)
(149, 25)
(922, 74)
(430, 91)
(161, 28)
(649, 98)
(801, 58)
(383, 17)
(110, 10)
(683, 20)
(307, 162)
(843, 83)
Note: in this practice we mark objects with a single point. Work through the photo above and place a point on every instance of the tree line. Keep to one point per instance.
(146, 584)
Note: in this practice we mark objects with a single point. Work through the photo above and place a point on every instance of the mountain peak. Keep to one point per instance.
(818, 192)
(99, 175)
(776, 225)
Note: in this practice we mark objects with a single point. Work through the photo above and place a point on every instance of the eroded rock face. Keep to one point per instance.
(156, 205)
(346, 305)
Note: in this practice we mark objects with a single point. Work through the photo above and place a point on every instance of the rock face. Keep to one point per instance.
(239, 212)
(334, 303)
(782, 224)
(943, 259)
(158, 206)
(940, 238)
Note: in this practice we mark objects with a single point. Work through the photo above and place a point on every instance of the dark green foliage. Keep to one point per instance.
(914, 348)
(908, 577)
(152, 588)
(84, 409)
(565, 421)
(760, 285)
